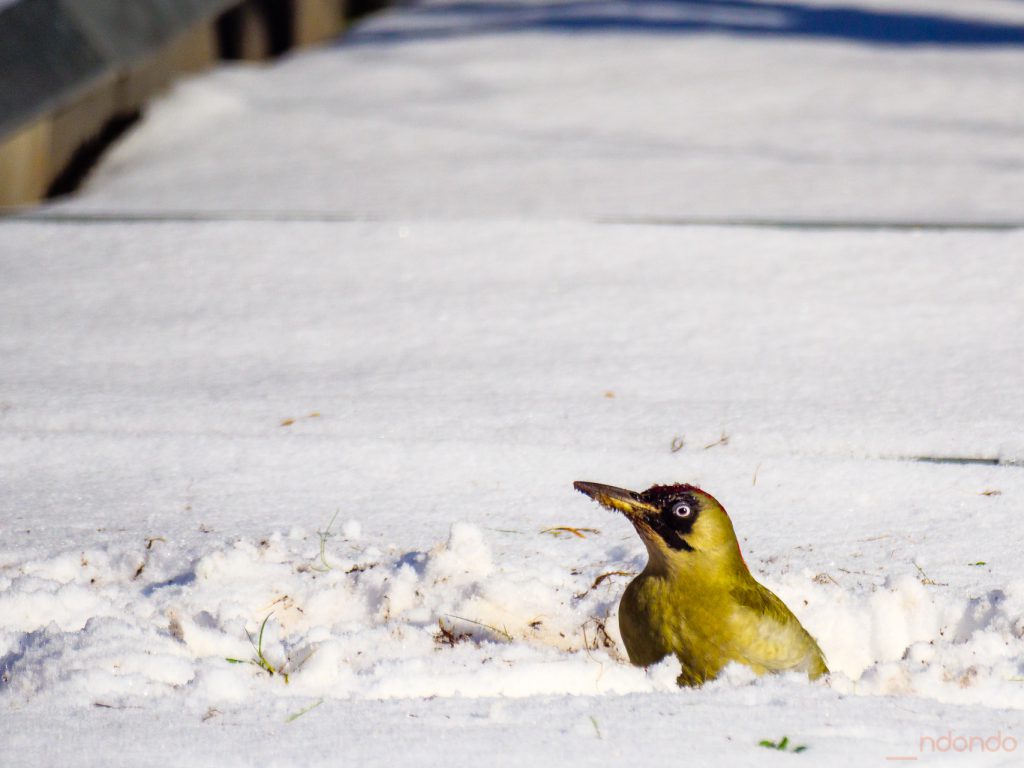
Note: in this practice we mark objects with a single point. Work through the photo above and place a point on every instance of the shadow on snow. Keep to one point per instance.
(739, 17)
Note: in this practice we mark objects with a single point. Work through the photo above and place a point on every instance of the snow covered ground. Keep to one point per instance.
(652, 109)
(160, 501)
(365, 432)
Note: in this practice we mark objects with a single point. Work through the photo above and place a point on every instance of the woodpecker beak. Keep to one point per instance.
(628, 503)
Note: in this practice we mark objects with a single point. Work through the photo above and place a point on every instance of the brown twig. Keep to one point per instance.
(446, 635)
(600, 579)
(723, 440)
(560, 530)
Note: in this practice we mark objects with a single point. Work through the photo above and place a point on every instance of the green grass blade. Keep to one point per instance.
(292, 718)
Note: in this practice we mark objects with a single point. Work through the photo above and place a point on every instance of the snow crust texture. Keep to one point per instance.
(356, 621)
(223, 411)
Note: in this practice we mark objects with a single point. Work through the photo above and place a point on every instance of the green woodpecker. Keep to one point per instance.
(696, 598)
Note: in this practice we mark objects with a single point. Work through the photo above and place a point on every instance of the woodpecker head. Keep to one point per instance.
(682, 526)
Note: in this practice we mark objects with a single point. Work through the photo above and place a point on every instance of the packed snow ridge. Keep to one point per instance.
(344, 618)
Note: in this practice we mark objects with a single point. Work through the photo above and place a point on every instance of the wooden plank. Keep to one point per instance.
(25, 164)
(318, 20)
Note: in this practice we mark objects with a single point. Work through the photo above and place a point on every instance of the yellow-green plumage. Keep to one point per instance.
(696, 598)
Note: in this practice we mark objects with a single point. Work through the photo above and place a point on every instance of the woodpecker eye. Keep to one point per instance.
(682, 510)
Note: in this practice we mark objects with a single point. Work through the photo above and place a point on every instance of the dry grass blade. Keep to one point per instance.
(608, 575)
(503, 632)
(565, 530)
(723, 440)
(600, 580)
(289, 421)
(926, 581)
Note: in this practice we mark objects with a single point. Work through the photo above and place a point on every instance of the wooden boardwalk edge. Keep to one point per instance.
(73, 70)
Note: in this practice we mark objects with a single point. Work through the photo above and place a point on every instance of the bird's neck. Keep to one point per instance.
(721, 566)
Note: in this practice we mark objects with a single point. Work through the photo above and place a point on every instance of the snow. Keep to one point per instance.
(322, 346)
(178, 428)
(502, 116)
(383, 625)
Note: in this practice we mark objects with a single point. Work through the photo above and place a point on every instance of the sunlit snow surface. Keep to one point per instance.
(366, 432)
(186, 405)
(650, 109)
